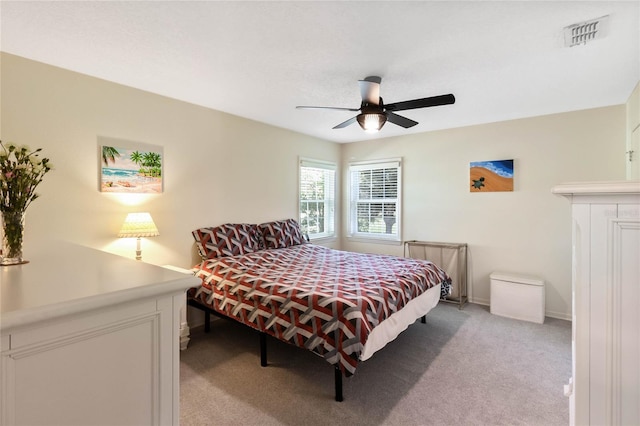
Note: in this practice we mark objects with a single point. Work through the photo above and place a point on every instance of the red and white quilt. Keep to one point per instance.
(317, 298)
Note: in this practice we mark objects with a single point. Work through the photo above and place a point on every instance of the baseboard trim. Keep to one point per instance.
(480, 302)
(558, 315)
(551, 314)
(196, 318)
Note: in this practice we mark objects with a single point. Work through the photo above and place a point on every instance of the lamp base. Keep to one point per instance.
(138, 249)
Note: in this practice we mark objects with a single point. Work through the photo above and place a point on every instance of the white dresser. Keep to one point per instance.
(89, 338)
(605, 388)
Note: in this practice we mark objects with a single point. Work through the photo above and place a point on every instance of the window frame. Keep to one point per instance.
(330, 204)
(353, 233)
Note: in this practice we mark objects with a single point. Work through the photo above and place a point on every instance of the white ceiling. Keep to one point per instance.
(502, 60)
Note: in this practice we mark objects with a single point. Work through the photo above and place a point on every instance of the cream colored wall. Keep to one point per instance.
(526, 231)
(217, 167)
(221, 168)
(633, 134)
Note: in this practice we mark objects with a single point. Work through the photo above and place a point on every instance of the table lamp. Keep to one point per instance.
(138, 225)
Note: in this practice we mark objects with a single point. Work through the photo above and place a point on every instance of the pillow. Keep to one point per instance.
(230, 239)
(281, 234)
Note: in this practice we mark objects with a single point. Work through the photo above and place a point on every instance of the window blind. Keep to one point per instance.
(375, 199)
(317, 198)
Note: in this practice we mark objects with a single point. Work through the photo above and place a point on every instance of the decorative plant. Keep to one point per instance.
(21, 171)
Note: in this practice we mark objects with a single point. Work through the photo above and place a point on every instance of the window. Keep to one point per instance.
(317, 198)
(374, 210)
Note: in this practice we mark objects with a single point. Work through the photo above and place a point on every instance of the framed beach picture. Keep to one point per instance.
(491, 176)
(130, 167)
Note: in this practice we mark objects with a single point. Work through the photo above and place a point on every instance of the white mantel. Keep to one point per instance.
(88, 337)
(630, 188)
(605, 387)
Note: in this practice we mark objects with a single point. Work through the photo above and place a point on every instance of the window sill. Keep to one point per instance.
(323, 240)
(372, 240)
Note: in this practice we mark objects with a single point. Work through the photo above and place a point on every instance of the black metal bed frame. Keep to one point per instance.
(263, 341)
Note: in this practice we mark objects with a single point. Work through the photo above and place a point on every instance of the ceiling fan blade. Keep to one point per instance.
(346, 123)
(400, 120)
(370, 90)
(333, 108)
(421, 103)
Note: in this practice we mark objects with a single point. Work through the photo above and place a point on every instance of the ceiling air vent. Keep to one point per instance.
(586, 31)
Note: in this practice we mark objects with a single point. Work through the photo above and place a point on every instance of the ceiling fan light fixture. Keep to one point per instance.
(371, 122)
(374, 113)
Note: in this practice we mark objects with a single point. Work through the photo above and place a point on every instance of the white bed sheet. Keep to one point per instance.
(391, 328)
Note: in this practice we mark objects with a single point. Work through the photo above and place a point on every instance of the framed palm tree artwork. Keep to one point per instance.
(130, 167)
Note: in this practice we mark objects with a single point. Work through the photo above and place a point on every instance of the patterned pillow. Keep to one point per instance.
(282, 233)
(230, 239)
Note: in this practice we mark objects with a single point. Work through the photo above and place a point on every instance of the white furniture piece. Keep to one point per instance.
(605, 387)
(517, 296)
(89, 338)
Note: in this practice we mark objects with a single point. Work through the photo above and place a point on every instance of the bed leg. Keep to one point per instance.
(207, 321)
(424, 319)
(338, 380)
(263, 349)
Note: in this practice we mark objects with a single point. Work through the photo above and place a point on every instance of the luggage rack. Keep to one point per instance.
(452, 257)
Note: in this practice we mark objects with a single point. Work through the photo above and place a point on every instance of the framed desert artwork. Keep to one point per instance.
(491, 176)
(130, 167)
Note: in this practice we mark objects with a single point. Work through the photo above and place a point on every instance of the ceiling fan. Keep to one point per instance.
(374, 113)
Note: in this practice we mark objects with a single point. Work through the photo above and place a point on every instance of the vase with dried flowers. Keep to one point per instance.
(21, 171)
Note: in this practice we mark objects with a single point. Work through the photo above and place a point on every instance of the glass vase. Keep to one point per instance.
(12, 234)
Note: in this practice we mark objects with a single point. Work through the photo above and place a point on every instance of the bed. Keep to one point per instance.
(343, 306)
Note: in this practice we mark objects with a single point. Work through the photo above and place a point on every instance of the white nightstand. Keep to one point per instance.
(184, 325)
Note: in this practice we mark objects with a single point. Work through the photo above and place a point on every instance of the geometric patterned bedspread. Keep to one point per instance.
(317, 298)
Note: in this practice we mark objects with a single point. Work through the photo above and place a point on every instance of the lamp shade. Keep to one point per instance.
(138, 225)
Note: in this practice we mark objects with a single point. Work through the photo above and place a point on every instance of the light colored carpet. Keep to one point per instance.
(463, 367)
